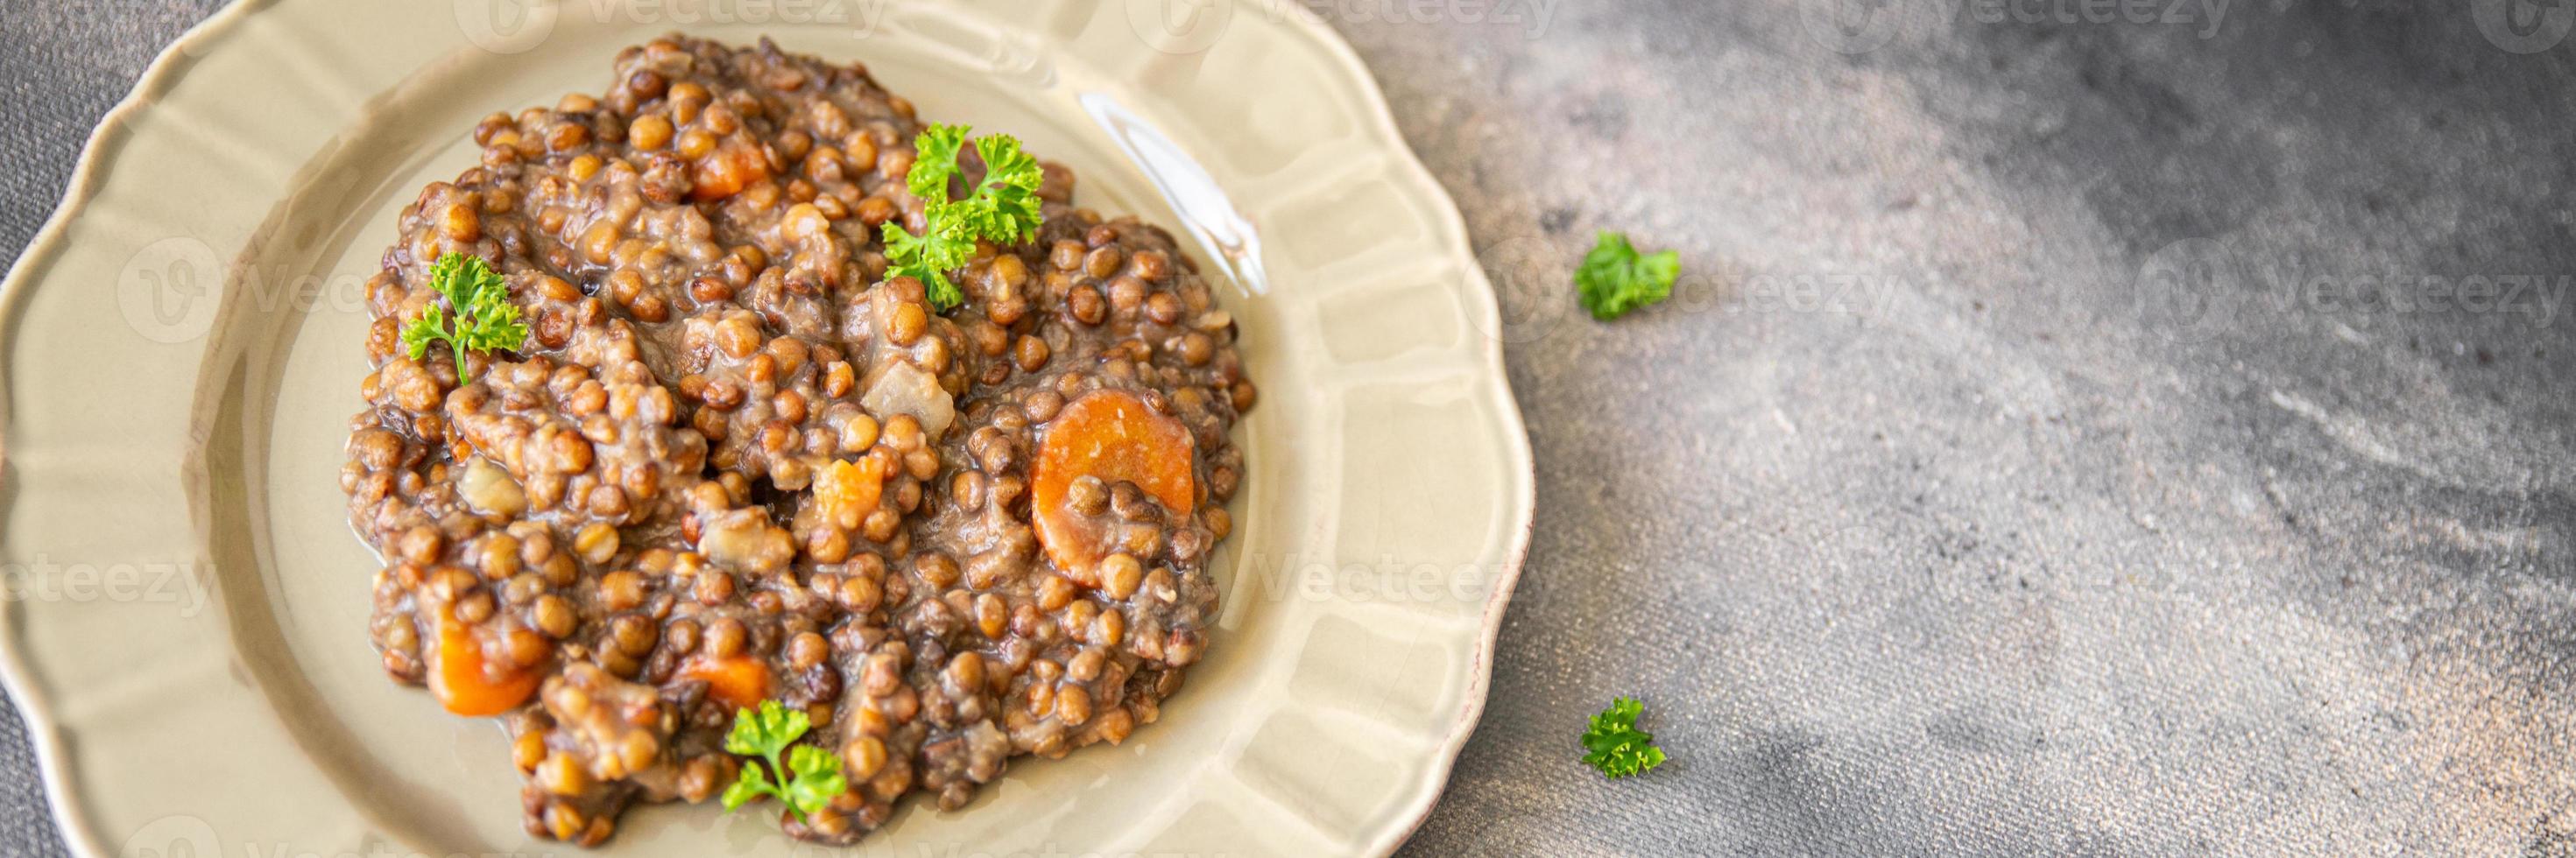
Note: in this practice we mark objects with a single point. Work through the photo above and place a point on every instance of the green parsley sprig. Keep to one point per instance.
(1615, 746)
(1615, 279)
(811, 776)
(1002, 208)
(484, 320)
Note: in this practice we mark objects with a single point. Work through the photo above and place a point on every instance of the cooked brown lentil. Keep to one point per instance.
(733, 462)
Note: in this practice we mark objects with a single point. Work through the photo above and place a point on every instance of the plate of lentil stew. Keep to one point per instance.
(1155, 489)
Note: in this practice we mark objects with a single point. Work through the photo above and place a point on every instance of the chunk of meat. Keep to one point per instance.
(1113, 436)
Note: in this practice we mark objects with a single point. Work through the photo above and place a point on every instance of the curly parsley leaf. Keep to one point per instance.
(483, 318)
(934, 161)
(818, 779)
(1615, 279)
(428, 327)
(811, 776)
(766, 731)
(928, 258)
(748, 787)
(1001, 208)
(1005, 205)
(1615, 746)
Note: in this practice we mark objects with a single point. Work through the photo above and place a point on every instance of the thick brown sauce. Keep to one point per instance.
(734, 463)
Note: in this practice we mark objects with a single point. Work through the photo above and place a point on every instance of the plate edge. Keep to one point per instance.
(1523, 461)
(44, 736)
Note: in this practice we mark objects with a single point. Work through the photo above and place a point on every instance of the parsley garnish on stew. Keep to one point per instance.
(1615, 746)
(809, 780)
(1616, 279)
(484, 319)
(1001, 208)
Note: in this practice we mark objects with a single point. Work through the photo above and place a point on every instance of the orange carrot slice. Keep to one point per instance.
(740, 681)
(726, 171)
(461, 683)
(1112, 435)
(845, 492)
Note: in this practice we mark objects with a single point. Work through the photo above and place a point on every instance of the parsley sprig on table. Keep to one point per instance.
(484, 320)
(811, 776)
(1615, 278)
(1002, 208)
(1615, 746)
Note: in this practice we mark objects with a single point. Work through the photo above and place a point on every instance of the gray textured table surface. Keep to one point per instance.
(2076, 437)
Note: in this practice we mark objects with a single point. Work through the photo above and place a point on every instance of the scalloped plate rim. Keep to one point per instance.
(46, 733)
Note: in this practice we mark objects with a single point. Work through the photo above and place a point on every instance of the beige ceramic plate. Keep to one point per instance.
(186, 626)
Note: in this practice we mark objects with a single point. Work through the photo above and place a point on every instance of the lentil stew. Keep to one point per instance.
(733, 461)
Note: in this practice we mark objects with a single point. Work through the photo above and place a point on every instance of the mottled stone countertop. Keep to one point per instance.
(2075, 435)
